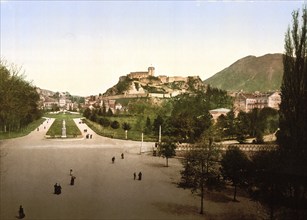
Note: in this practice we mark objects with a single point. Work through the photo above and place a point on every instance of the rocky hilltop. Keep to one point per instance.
(146, 84)
(251, 74)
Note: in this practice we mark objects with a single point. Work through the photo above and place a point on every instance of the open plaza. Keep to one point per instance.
(31, 165)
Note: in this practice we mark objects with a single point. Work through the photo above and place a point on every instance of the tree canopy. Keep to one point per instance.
(18, 100)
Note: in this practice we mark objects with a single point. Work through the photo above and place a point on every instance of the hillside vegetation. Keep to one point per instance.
(250, 74)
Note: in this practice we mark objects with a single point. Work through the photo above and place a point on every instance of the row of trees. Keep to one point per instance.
(255, 123)
(18, 100)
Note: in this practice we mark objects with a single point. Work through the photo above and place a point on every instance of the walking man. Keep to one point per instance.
(140, 176)
(122, 155)
(21, 213)
(113, 159)
(134, 175)
(72, 180)
(55, 188)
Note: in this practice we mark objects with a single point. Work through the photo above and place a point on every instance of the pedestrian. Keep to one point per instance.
(55, 188)
(134, 175)
(59, 190)
(72, 180)
(21, 213)
(113, 159)
(70, 172)
(122, 155)
(91, 136)
(140, 176)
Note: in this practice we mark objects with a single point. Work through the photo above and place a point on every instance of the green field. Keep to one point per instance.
(23, 132)
(119, 133)
(55, 131)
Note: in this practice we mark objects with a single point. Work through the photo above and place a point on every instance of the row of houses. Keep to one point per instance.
(248, 101)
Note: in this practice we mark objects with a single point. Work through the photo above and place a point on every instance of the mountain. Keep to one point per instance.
(251, 74)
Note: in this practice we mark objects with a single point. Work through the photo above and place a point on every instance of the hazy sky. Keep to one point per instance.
(84, 46)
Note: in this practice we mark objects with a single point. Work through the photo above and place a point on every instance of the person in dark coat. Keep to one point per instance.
(113, 159)
(55, 188)
(72, 180)
(21, 213)
(122, 155)
(59, 190)
(134, 176)
(140, 176)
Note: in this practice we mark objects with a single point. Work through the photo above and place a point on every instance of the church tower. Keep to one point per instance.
(151, 71)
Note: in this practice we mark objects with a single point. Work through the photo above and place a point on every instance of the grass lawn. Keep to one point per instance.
(119, 133)
(55, 131)
(24, 131)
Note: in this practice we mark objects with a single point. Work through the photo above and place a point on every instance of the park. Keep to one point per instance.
(31, 165)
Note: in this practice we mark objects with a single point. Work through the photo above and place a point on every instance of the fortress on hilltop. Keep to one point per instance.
(139, 75)
(151, 72)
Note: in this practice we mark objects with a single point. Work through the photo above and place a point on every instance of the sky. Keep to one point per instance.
(83, 47)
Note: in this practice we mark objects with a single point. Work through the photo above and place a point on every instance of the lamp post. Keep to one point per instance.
(160, 134)
(141, 143)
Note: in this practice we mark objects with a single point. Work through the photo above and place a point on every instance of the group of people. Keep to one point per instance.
(89, 136)
(57, 189)
(140, 176)
(122, 156)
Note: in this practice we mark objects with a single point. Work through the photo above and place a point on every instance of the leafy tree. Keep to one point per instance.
(230, 128)
(115, 124)
(167, 150)
(292, 137)
(148, 127)
(87, 113)
(93, 117)
(267, 181)
(104, 122)
(157, 123)
(234, 168)
(201, 168)
(242, 125)
(126, 126)
(18, 99)
(109, 113)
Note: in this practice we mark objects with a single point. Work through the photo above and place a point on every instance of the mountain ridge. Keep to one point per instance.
(250, 73)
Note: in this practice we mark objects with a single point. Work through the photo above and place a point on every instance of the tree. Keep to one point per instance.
(167, 150)
(267, 182)
(292, 136)
(18, 99)
(157, 123)
(126, 126)
(87, 113)
(115, 125)
(234, 168)
(109, 113)
(242, 126)
(201, 168)
(148, 126)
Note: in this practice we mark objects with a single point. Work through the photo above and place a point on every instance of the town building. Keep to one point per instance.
(247, 101)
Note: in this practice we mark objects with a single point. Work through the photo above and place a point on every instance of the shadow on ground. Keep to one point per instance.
(176, 209)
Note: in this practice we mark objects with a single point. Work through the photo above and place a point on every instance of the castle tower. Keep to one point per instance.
(151, 71)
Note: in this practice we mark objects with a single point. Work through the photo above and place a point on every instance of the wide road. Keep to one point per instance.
(31, 165)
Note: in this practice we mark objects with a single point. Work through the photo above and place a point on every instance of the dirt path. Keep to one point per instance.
(31, 165)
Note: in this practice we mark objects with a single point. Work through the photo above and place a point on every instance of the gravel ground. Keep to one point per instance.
(31, 165)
